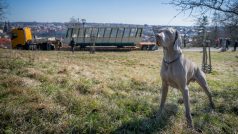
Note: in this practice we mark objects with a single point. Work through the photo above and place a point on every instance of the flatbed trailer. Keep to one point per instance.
(104, 36)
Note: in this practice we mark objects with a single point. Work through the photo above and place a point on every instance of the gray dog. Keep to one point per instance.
(177, 71)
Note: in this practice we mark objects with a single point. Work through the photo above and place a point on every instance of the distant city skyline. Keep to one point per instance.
(152, 12)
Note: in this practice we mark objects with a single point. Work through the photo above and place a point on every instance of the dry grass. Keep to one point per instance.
(109, 92)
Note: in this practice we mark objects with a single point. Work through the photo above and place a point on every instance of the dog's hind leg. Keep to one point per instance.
(164, 92)
(200, 78)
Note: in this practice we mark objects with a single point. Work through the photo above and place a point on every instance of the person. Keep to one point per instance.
(50, 46)
(72, 44)
(227, 44)
(220, 43)
(217, 41)
(59, 44)
(235, 44)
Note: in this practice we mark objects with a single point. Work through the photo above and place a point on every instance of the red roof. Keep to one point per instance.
(5, 41)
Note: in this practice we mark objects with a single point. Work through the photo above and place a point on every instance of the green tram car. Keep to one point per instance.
(105, 36)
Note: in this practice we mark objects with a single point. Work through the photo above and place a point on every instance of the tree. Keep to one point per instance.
(204, 6)
(215, 32)
(202, 23)
(225, 13)
(227, 9)
(3, 7)
(73, 20)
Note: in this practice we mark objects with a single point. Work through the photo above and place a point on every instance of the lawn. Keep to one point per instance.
(109, 92)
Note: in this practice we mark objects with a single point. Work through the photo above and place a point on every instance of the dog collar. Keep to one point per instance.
(169, 62)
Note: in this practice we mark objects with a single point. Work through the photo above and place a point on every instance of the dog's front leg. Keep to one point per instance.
(185, 93)
(164, 92)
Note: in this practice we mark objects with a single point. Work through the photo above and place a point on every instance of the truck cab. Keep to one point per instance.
(21, 38)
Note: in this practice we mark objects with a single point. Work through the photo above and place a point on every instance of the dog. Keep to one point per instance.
(177, 71)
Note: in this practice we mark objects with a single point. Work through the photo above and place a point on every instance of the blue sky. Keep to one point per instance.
(102, 11)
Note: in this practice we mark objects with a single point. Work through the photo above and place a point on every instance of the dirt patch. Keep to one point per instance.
(27, 82)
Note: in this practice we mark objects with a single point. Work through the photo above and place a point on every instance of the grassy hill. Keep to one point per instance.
(109, 92)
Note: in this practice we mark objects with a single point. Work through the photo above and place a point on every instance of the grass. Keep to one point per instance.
(109, 92)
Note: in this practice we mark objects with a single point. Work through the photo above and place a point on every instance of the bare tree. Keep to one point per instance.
(225, 14)
(202, 23)
(226, 9)
(73, 20)
(223, 6)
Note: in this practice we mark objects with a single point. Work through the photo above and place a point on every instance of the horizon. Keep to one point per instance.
(138, 12)
(93, 23)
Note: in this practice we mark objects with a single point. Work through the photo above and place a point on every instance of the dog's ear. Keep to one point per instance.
(156, 39)
(177, 42)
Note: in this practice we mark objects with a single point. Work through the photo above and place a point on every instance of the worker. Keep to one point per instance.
(72, 44)
(235, 45)
(59, 44)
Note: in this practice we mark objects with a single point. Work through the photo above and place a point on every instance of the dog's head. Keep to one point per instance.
(169, 38)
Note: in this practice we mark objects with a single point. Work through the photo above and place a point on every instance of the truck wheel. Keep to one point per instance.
(152, 47)
(33, 47)
(19, 47)
(52, 47)
(26, 46)
(144, 48)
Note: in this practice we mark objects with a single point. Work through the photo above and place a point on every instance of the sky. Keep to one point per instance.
(152, 12)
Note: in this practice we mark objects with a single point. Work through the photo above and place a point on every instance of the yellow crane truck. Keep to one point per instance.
(21, 38)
